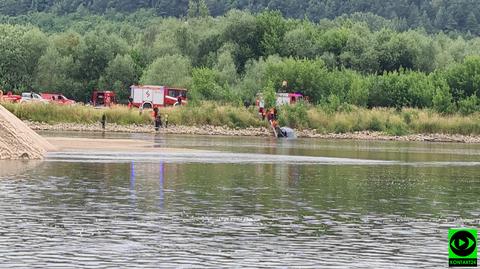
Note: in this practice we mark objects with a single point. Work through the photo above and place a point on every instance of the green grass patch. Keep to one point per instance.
(52, 113)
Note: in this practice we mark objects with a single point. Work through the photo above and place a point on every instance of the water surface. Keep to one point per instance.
(247, 202)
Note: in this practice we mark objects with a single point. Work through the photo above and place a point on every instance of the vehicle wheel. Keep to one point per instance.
(147, 106)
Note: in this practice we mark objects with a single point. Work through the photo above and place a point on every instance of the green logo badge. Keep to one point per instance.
(462, 248)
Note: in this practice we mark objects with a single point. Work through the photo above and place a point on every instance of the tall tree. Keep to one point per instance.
(203, 10)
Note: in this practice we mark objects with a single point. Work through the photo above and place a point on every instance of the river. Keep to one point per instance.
(239, 202)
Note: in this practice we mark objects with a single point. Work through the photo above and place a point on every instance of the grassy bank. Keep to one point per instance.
(50, 113)
(324, 120)
(390, 121)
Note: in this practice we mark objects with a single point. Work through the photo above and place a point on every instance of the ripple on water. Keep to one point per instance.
(97, 215)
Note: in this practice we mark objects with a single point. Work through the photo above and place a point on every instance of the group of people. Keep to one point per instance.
(157, 119)
(270, 114)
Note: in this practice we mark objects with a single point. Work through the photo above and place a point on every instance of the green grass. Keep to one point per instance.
(209, 113)
(51, 113)
(351, 119)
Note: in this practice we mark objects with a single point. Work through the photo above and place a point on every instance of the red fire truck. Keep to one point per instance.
(103, 98)
(149, 96)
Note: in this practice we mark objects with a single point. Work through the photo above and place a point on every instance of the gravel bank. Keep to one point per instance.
(225, 131)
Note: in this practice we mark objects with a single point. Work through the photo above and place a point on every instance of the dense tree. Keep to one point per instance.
(119, 75)
(457, 15)
(361, 59)
(172, 70)
(54, 73)
(20, 50)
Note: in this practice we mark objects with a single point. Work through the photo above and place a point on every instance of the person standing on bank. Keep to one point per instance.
(157, 119)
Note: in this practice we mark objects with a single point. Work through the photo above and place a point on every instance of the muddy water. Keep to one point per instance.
(247, 202)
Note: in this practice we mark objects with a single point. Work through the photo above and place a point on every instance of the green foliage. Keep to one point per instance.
(459, 15)
(54, 73)
(332, 103)
(469, 105)
(295, 116)
(464, 78)
(272, 28)
(442, 100)
(304, 76)
(20, 49)
(119, 75)
(172, 70)
(205, 86)
(359, 59)
(269, 95)
(208, 113)
(203, 9)
(225, 66)
(402, 89)
(192, 8)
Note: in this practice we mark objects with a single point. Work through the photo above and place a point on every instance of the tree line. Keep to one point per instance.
(432, 15)
(361, 60)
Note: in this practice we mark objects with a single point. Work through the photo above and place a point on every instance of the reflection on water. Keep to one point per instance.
(170, 213)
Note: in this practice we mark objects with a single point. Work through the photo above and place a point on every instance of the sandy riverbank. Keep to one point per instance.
(17, 141)
(261, 132)
(124, 145)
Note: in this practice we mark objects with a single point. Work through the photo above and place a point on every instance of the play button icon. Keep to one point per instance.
(463, 243)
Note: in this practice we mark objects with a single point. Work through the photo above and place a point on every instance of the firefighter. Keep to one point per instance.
(261, 108)
(272, 114)
(166, 120)
(104, 121)
(179, 100)
(157, 119)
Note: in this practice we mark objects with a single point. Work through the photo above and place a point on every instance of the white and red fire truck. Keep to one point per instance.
(149, 96)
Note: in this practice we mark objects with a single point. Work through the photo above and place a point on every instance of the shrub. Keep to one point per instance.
(295, 116)
(442, 101)
(468, 105)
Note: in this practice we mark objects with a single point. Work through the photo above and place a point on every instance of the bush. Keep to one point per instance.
(442, 101)
(469, 105)
(294, 116)
(209, 113)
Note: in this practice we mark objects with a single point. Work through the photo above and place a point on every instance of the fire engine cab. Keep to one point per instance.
(149, 96)
(103, 98)
(288, 98)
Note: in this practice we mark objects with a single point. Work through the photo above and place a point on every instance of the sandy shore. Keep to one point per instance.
(261, 132)
(17, 141)
(129, 145)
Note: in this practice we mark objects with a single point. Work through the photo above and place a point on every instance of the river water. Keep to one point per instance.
(244, 202)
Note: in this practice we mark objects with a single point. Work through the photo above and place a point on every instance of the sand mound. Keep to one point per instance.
(18, 141)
